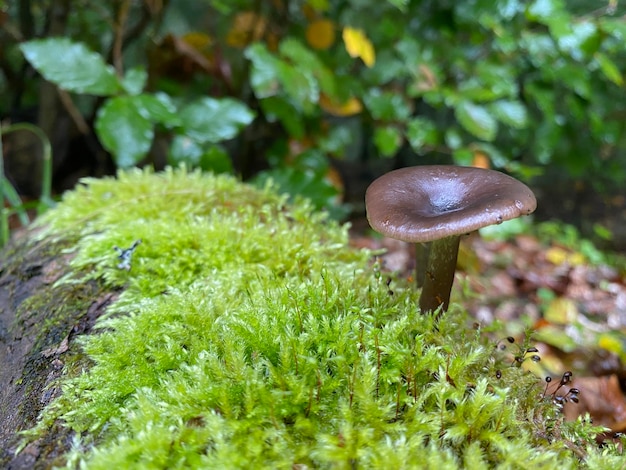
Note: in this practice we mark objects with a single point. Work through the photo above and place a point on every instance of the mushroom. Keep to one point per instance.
(432, 206)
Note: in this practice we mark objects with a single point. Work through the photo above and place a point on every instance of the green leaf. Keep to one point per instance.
(264, 73)
(463, 156)
(303, 182)
(71, 66)
(271, 75)
(337, 141)
(300, 86)
(453, 137)
(276, 108)
(609, 69)
(575, 77)
(387, 105)
(399, 4)
(184, 150)
(212, 120)
(511, 113)
(543, 10)
(124, 131)
(209, 157)
(135, 80)
(476, 120)
(421, 132)
(158, 109)
(582, 40)
(388, 140)
(305, 59)
(216, 159)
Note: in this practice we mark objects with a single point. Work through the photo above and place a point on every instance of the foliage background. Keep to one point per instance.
(326, 95)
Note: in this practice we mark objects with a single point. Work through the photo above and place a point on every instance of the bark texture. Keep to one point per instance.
(38, 323)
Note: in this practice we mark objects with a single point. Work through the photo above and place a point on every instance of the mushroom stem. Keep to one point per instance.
(422, 250)
(439, 274)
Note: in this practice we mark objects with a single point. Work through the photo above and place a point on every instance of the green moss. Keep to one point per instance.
(250, 335)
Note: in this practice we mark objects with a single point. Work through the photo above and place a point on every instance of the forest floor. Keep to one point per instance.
(571, 302)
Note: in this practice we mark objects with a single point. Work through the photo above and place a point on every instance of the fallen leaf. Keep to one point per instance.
(60, 349)
(602, 397)
(561, 311)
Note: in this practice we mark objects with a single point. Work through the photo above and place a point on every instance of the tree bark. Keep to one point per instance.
(38, 323)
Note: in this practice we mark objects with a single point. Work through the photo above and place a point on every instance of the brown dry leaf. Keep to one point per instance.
(481, 160)
(55, 269)
(425, 79)
(247, 27)
(320, 34)
(602, 397)
(181, 56)
(60, 349)
(349, 108)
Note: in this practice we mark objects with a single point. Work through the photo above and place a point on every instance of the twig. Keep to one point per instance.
(118, 42)
(74, 113)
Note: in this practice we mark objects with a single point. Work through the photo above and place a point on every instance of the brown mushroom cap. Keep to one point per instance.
(426, 203)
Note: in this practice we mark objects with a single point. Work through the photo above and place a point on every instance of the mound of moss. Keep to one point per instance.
(248, 334)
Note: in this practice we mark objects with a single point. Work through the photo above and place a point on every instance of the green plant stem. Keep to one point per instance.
(439, 274)
(13, 198)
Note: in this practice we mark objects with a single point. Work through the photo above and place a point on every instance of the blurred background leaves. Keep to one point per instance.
(533, 88)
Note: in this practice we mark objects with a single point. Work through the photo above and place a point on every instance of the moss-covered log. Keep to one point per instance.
(181, 320)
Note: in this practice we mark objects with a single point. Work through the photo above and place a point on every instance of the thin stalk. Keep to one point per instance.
(422, 250)
(439, 274)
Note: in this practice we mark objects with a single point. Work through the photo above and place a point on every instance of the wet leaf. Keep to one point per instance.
(157, 108)
(71, 66)
(264, 74)
(421, 132)
(387, 105)
(388, 140)
(124, 130)
(477, 120)
(213, 120)
(135, 80)
(511, 113)
(276, 108)
(609, 69)
(544, 9)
